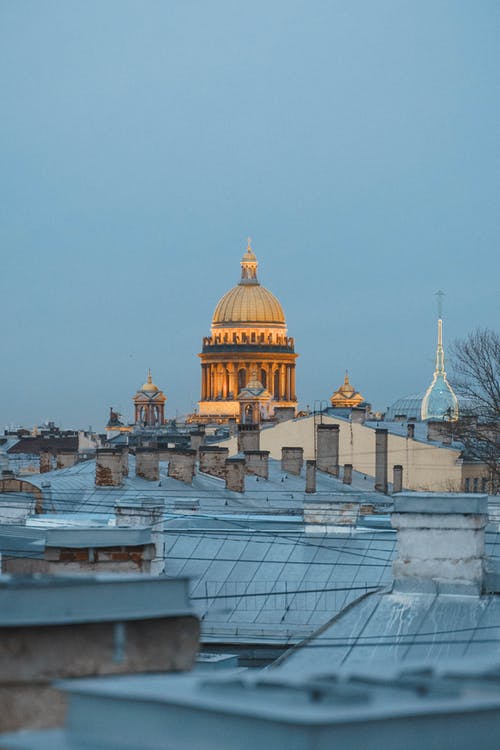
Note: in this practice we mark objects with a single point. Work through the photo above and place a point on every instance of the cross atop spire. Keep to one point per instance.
(440, 295)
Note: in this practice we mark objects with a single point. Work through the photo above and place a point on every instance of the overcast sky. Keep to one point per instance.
(141, 142)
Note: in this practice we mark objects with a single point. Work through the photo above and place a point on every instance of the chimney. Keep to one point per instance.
(65, 459)
(248, 437)
(284, 413)
(397, 480)
(181, 463)
(381, 437)
(310, 476)
(235, 474)
(257, 463)
(142, 513)
(292, 460)
(440, 542)
(147, 463)
(213, 460)
(327, 448)
(197, 439)
(358, 414)
(45, 462)
(410, 430)
(125, 461)
(439, 431)
(108, 467)
(347, 479)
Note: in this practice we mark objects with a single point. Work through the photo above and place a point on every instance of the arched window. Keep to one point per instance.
(263, 377)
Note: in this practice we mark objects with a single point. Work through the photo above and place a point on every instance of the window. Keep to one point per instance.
(467, 485)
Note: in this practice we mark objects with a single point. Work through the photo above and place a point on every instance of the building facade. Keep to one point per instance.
(248, 335)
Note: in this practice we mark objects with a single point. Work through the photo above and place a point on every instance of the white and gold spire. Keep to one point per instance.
(440, 401)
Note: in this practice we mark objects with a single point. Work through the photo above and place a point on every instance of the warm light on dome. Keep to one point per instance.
(248, 302)
(248, 352)
(149, 385)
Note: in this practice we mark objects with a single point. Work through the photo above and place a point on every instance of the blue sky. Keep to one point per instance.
(142, 142)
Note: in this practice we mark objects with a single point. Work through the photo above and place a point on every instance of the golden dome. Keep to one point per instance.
(149, 386)
(248, 302)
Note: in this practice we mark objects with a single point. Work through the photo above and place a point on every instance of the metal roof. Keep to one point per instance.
(31, 541)
(450, 705)
(395, 626)
(57, 600)
(73, 490)
(258, 585)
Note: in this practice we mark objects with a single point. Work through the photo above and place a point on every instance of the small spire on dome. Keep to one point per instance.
(150, 379)
(346, 378)
(249, 265)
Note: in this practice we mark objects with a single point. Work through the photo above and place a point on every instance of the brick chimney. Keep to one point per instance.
(147, 463)
(108, 467)
(248, 437)
(310, 476)
(145, 512)
(440, 541)
(292, 460)
(381, 442)
(347, 478)
(327, 448)
(181, 463)
(284, 413)
(65, 459)
(45, 462)
(257, 463)
(197, 439)
(235, 474)
(213, 460)
(397, 478)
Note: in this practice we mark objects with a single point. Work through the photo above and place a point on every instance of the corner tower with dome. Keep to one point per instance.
(248, 339)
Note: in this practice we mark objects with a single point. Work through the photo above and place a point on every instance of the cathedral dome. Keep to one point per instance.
(248, 302)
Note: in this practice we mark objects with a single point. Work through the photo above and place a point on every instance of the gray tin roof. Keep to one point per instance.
(57, 600)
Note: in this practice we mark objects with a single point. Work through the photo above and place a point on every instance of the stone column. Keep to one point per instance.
(310, 476)
(294, 396)
(397, 481)
(381, 441)
(327, 448)
(235, 474)
(347, 474)
(282, 382)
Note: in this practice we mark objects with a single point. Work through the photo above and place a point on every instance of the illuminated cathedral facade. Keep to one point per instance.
(248, 345)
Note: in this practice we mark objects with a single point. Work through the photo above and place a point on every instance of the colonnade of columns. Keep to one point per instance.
(149, 414)
(225, 380)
